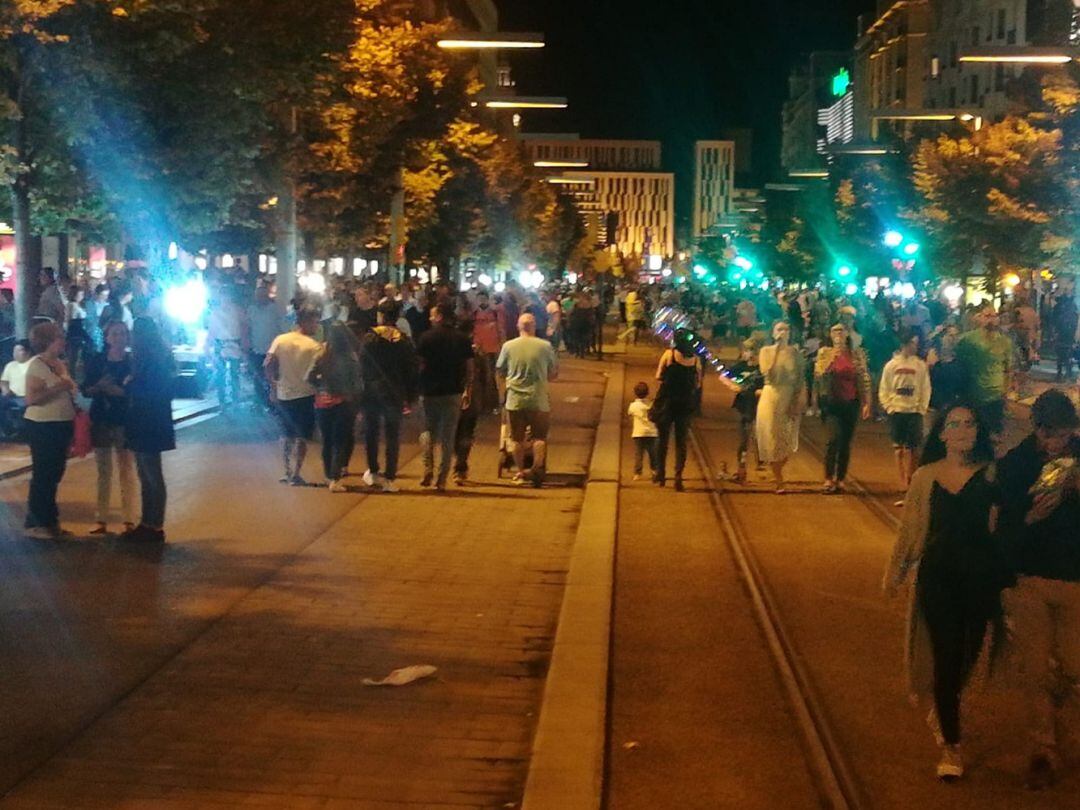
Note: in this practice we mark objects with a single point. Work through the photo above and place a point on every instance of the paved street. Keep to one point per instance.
(226, 668)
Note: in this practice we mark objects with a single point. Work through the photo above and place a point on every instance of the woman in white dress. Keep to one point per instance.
(780, 407)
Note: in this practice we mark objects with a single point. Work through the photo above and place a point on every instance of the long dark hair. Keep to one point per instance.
(148, 347)
(935, 450)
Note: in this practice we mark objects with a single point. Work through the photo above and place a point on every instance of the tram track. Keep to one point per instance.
(835, 781)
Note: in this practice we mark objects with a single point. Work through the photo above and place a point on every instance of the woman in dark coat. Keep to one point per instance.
(149, 425)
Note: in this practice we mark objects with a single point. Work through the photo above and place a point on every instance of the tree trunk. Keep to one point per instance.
(25, 275)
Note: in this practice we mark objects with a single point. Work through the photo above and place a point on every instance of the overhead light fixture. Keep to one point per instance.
(816, 174)
(480, 41)
(570, 181)
(914, 116)
(527, 103)
(1020, 55)
(560, 164)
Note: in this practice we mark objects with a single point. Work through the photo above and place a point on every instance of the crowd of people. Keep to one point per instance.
(355, 360)
(990, 536)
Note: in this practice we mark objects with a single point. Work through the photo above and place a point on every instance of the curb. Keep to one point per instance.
(567, 763)
(188, 419)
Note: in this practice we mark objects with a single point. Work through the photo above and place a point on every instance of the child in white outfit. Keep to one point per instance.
(644, 432)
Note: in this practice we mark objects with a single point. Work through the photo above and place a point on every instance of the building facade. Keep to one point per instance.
(890, 55)
(809, 90)
(635, 211)
(714, 182)
(606, 155)
(962, 28)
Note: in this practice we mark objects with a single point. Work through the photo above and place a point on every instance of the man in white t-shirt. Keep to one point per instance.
(288, 363)
(13, 389)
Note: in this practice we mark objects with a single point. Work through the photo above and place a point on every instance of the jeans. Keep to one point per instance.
(1064, 352)
(747, 430)
(125, 461)
(440, 422)
(840, 420)
(463, 440)
(681, 423)
(1045, 634)
(259, 383)
(227, 377)
(336, 427)
(644, 445)
(152, 482)
(49, 442)
(12, 409)
(376, 416)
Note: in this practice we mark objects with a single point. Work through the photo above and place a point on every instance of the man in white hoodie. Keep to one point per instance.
(904, 393)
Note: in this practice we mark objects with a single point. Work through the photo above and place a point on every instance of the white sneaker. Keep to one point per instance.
(637, 476)
(388, 485)
(372, 479)
(337, 486)
(951, 766)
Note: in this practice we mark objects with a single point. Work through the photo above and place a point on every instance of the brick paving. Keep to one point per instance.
(265, 706)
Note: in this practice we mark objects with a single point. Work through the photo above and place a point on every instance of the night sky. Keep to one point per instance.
(674, 70)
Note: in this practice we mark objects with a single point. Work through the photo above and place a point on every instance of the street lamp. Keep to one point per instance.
(489, 41)
(893, 239)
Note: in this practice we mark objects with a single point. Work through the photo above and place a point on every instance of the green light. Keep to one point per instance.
(841, 82)
(844, 271)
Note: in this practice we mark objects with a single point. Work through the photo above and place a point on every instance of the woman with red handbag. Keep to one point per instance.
(104, 384)
(50, 415)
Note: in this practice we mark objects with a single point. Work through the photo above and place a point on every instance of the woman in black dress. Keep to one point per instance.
(946, 538)
(149, 426)
(680, 374)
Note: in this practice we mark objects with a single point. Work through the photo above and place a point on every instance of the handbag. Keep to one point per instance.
(81, 444)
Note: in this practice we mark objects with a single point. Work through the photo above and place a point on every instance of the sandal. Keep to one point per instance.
(102, 528)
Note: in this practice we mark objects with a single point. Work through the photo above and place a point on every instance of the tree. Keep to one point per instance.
(996, 192)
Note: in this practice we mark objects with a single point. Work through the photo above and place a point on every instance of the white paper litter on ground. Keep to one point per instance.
(403, 676)
(572, 400)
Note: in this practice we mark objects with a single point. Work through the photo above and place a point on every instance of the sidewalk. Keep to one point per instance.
(247, 689)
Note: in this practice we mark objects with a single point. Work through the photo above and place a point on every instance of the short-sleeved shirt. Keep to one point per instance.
(296, 354)
(444, 353)
(15, 376)
(642, 426)
(527, 362)
(61, 408)
(987, 360)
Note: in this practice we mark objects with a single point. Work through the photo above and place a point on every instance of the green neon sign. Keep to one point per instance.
(841, 82)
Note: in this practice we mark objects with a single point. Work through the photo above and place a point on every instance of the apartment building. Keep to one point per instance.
(714, 184)
(572, 151)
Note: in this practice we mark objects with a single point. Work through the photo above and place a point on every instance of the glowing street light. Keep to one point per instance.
(486, 41)
(911, 248)
(743, 263)
(1019, 55)
(560, 164)
(893, 239)
(527, 103)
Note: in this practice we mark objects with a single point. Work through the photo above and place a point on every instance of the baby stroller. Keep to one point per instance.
(506, 458)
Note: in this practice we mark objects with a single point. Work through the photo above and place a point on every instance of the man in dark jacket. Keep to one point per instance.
(1039, 522)
(446, 366)
(389, 381)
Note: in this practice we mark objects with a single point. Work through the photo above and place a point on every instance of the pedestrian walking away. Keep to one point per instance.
(336, 376)
(50, 414)
(680, 373)
(446, 367)
(842, 380)
(643, 432)
(1039, 490)
(388, 373)
(288, 363)
(959, 569)
(148, 428)
(106, 373)
(527, 365)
